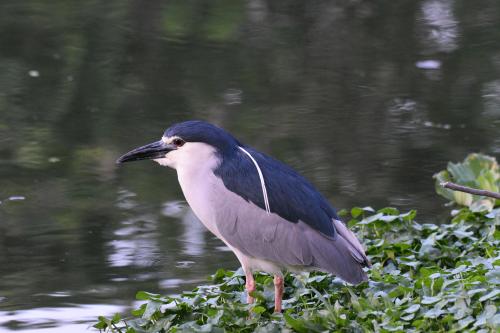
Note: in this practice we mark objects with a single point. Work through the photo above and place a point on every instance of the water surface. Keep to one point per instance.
(366, 99)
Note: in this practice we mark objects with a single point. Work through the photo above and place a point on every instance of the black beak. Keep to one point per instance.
(151, 151)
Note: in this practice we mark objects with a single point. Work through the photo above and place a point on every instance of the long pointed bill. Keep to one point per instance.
(150, 151)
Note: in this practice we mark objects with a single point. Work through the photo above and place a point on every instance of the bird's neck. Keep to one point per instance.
(199, 184)
(195, 162)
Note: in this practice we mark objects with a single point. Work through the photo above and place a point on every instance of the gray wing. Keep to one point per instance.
(258, 234)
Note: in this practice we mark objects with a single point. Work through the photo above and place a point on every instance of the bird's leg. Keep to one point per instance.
(250, 286)
(279, 285)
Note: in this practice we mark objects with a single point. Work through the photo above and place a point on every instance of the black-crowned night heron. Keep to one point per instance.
(272, 218)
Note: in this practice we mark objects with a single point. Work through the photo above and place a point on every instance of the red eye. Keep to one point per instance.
(178, 142)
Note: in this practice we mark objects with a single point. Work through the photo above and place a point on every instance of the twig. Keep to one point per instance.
(484, 193)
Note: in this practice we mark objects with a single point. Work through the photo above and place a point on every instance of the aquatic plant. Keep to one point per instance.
(477, 171)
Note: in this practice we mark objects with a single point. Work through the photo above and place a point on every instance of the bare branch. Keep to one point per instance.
(484, 193)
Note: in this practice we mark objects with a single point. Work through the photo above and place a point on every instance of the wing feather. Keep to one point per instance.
(291, 196)
(258, 234)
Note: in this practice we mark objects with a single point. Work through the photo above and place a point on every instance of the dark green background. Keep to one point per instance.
(334, 88)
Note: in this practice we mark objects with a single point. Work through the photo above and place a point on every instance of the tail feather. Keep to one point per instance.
(344, 256)
(357, 249)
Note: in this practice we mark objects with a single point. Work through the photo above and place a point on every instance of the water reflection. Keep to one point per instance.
(440, 28)
(366, 99)
(55, 319)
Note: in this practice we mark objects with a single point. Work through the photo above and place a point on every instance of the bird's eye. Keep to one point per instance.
(178, 142)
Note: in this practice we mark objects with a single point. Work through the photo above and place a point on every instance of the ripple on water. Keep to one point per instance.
(54, 320)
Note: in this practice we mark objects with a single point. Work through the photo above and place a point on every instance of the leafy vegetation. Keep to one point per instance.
(425, 277)
(476, 171)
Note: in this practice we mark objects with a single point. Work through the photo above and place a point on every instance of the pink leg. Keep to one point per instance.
(279, 285)
(250, 286)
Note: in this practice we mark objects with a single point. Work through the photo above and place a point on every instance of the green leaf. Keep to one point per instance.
(433, 313)
(482, 205)
(296, 324)
(493, 275)
(430, 300)
(356, 211)
(463, 323)
(259, 309)
(413, 308)
(371, 219)
(389, 211)
(489, 312)
(151, 308)
(144, 295)
(476, 171)
(461, 198)
(490, 295)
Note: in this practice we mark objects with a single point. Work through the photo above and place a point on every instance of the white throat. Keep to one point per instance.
(192, 157)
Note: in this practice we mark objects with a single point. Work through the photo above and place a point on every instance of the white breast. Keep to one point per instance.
(195, 162)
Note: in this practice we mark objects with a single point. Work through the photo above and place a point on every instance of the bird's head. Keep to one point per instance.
(186, 143)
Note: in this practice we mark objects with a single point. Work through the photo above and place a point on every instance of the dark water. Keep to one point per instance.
(366, 98)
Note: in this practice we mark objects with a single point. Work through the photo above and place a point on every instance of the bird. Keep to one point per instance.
(271, 217)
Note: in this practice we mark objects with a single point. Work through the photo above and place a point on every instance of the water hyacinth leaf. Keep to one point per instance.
(460, 309)
(493, 214)
(259, 309)
(493, 275)
(461, 198)
(371, 219)
(472, 292)
(433, 313)
(144, 296)
(463, 323)
(428, 245)
(443, 177)
(482, 205)
(297, 324)
(479, 163)
(413, 308)
(162, 324)
(413, 264)
(488, 180)
(101, 324)
(476, 171)
(389, 211)
(428, 226)
(462, 232)
(430, 300)
(408, 317)
(343, 212)
(490, 295)
(356, 211)
(389, 218)
(459, 269)
(409, 216)
(392, 328)
(489, 312)
(462, 172)
(494, 321)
